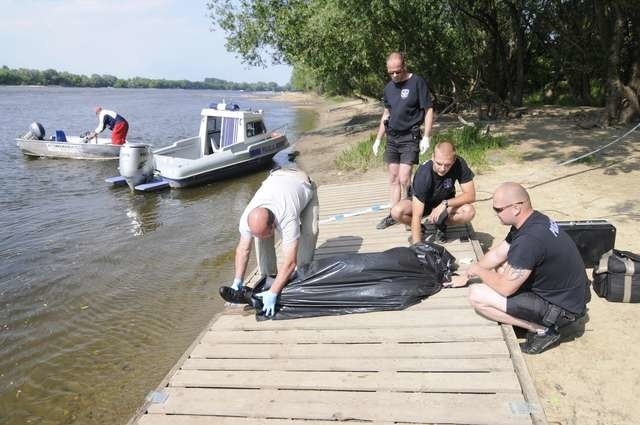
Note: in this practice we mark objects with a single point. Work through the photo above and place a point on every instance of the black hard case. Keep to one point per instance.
(592, 237)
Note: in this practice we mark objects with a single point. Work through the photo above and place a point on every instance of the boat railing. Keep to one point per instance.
(188, 139)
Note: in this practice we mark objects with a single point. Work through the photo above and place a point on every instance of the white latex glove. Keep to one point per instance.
(376, 147)
(424, 144)
(237, 283)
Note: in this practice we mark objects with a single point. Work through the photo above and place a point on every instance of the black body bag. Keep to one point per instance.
(617, 277)
(357, 283)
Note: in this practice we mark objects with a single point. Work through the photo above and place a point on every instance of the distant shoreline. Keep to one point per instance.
(51, 77)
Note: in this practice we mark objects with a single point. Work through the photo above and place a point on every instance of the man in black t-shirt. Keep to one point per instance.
(539, 282)
(434, 193)
(407, 106)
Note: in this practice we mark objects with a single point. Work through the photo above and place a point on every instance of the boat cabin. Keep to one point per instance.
(223, 128)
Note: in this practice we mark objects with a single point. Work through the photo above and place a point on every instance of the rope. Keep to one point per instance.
(600, 148)
(339, 217)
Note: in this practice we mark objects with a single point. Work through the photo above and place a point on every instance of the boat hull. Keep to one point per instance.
(221, 165)
(224, 172)
(52, 149)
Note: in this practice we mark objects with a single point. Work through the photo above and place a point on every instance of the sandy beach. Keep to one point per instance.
(592, 377)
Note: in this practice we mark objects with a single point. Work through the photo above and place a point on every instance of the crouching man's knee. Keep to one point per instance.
(465, 213)
(484, 300)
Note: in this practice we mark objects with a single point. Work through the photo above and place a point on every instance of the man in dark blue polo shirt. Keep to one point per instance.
(434, 193)
(534, 279)
(407, 106)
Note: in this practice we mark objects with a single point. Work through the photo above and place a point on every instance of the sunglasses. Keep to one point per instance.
(498, 210)
(392, 73)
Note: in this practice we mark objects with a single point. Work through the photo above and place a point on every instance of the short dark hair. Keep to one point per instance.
(271, 217)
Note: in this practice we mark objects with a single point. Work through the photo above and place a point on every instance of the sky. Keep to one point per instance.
(170, 39)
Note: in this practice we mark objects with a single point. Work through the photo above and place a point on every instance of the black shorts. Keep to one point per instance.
(403, 149)
(527, 306)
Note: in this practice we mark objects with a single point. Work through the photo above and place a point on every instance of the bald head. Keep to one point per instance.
(512, 204)
(396, 67)
(98, 109)
(510, 193)
(445, 148)
(444, 156)
(396, 58)
(261, 222)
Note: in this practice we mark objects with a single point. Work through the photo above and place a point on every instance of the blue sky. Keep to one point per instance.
(169, 39)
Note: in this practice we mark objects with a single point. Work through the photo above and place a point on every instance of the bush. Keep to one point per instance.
(470, 144)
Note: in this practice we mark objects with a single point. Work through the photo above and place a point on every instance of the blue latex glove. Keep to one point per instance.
(268, 302)
(237, 283)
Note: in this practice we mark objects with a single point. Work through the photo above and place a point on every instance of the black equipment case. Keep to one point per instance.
(592, 237)
(617, 277)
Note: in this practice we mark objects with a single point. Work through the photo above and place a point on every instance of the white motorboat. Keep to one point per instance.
(231, 142)
(33, 143)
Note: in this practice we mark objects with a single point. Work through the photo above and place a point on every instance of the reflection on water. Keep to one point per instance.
(143, 214)
(102, 290)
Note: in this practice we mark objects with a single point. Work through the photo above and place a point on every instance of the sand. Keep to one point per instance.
(593, 376)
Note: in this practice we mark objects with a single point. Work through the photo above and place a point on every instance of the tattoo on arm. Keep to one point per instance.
(513, 273)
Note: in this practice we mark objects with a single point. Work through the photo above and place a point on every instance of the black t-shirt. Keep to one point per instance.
(431, 188)
(406, 102)
(557, 270)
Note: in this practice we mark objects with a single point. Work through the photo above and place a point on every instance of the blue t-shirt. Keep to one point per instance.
(557, 270)
(406, 102)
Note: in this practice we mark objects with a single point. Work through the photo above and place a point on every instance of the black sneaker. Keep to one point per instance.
(537, 343)
(386, 222)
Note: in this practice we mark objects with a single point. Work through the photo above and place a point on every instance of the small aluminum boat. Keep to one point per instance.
(62, 146)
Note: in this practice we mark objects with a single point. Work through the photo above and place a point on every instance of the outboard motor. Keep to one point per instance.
(136, 163)
(36, 132)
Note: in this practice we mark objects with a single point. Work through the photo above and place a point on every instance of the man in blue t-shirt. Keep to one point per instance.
(407, 106)
(534, 279)
(434, 193)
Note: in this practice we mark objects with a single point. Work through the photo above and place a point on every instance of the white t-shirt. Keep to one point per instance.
(286, 193)
(101, 124)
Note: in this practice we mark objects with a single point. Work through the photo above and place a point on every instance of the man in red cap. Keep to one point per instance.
(116, 123)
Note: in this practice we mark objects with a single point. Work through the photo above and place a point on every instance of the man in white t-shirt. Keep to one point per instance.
(286, 202)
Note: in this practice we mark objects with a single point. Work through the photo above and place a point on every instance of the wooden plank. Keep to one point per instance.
(345, 405)
(415, 364)
(462, 382)
(333, 336)
(529, 392)
(384, 319)
(449, 350)
(442, 303)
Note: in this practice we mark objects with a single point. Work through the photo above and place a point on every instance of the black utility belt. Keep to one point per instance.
(398, 133)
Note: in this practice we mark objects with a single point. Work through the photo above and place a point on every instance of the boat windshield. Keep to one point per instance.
(255, 128)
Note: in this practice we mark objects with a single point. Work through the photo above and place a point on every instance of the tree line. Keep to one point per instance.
(51, 77)
(491, 54)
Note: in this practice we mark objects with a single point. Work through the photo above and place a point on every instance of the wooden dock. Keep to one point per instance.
(436, 362)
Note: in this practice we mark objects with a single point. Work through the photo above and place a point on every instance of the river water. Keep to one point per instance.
(102, 290)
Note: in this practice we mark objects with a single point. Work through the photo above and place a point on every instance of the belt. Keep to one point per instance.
(393, 132)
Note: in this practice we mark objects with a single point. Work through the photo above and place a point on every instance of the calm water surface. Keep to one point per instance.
(102, 290)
